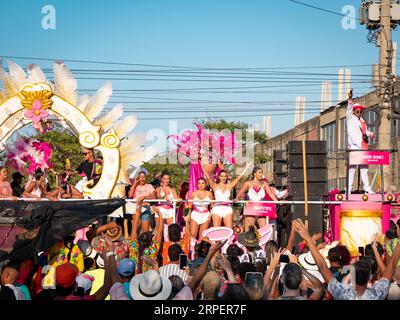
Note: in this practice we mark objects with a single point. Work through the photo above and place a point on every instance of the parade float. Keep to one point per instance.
(30, 98)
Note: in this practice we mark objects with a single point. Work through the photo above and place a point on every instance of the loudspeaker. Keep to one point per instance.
(295, 161)
(315, 215)
(313, 175)
(280, 168)
(312, 147)
(316, 168)
(317, 180)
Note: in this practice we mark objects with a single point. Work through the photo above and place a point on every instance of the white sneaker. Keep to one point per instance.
(370, 192)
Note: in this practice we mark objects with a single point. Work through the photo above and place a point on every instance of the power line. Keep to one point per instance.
(216, 117)
(183, 67)
(322, 9)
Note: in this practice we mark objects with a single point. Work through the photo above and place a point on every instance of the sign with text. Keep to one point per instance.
(369, 157)
(260, 209)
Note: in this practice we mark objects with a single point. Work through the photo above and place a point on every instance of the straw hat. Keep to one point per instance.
(251, 238)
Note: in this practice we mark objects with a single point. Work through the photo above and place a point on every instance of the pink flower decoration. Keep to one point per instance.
(37, 113)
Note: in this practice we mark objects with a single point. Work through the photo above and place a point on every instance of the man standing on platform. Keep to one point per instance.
(358, 138)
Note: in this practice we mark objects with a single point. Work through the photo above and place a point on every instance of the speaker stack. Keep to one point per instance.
(280, 169)
(317, 180)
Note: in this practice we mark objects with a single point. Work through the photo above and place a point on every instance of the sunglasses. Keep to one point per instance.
(358, 111)
(85, 153)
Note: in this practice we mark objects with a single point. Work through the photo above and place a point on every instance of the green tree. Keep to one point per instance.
(179, 173)
(259, 137)
(65, 146)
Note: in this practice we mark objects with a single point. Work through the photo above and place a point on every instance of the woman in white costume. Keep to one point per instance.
(222, 192)
(200, 212)
(257, 189)
(167, 192)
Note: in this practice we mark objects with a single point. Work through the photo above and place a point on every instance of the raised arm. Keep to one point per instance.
(272, 265)
(196, 280)
(289, 246)
(135, 223)
(350, 103)
(211, 182)
(319, 260)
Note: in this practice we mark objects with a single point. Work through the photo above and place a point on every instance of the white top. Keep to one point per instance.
(168, 197)
(256, 195)
(202, 204)
(353, 123)
(222, 195)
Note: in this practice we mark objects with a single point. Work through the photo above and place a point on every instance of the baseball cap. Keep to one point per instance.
(85, 281)
(126, 267)
(66, 275)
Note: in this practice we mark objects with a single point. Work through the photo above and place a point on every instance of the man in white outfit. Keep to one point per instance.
(358, 136)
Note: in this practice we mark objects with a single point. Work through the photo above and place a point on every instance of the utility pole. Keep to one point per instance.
(385, 73)
(379, 19)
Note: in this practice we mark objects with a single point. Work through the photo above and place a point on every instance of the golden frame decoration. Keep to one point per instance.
(108, 143)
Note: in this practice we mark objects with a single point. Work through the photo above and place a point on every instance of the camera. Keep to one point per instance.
(64, 186)
(365, 138)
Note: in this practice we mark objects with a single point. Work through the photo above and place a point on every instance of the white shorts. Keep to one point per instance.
(199, 217)
(222, 211)
(167, 213)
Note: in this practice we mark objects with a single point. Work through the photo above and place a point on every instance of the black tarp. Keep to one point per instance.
(54, 219)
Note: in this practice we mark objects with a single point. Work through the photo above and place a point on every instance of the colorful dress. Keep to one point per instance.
(150, 252)
(58, 255)
(120, 248)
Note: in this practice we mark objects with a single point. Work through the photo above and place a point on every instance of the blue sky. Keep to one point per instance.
(201, 34)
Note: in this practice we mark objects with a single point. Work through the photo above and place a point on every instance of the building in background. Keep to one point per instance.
(330, 125)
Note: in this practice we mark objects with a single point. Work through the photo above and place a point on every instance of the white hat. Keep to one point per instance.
(100, 262)
(308, 262)
(150, 286)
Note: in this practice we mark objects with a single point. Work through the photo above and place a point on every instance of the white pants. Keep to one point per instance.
(363, 174)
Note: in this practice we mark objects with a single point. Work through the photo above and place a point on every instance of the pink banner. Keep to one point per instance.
(369, 157)
(260, 209)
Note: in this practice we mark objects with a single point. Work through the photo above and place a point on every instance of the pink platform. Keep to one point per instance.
(356, 203)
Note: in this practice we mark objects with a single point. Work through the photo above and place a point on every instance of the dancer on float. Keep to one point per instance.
(36, 186)
(200, 213)
(222, 192)
(139, 191)
(167, 192)
(5, 186)
(257, 190)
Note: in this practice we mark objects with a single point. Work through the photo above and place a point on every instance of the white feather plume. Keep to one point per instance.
(124, 127)
(110, 118)
(98, 101)
(131, 143)
(35, 74)
(17, 74)
(137, 158)
(83, 102)
(64, 82)
(8, 87)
